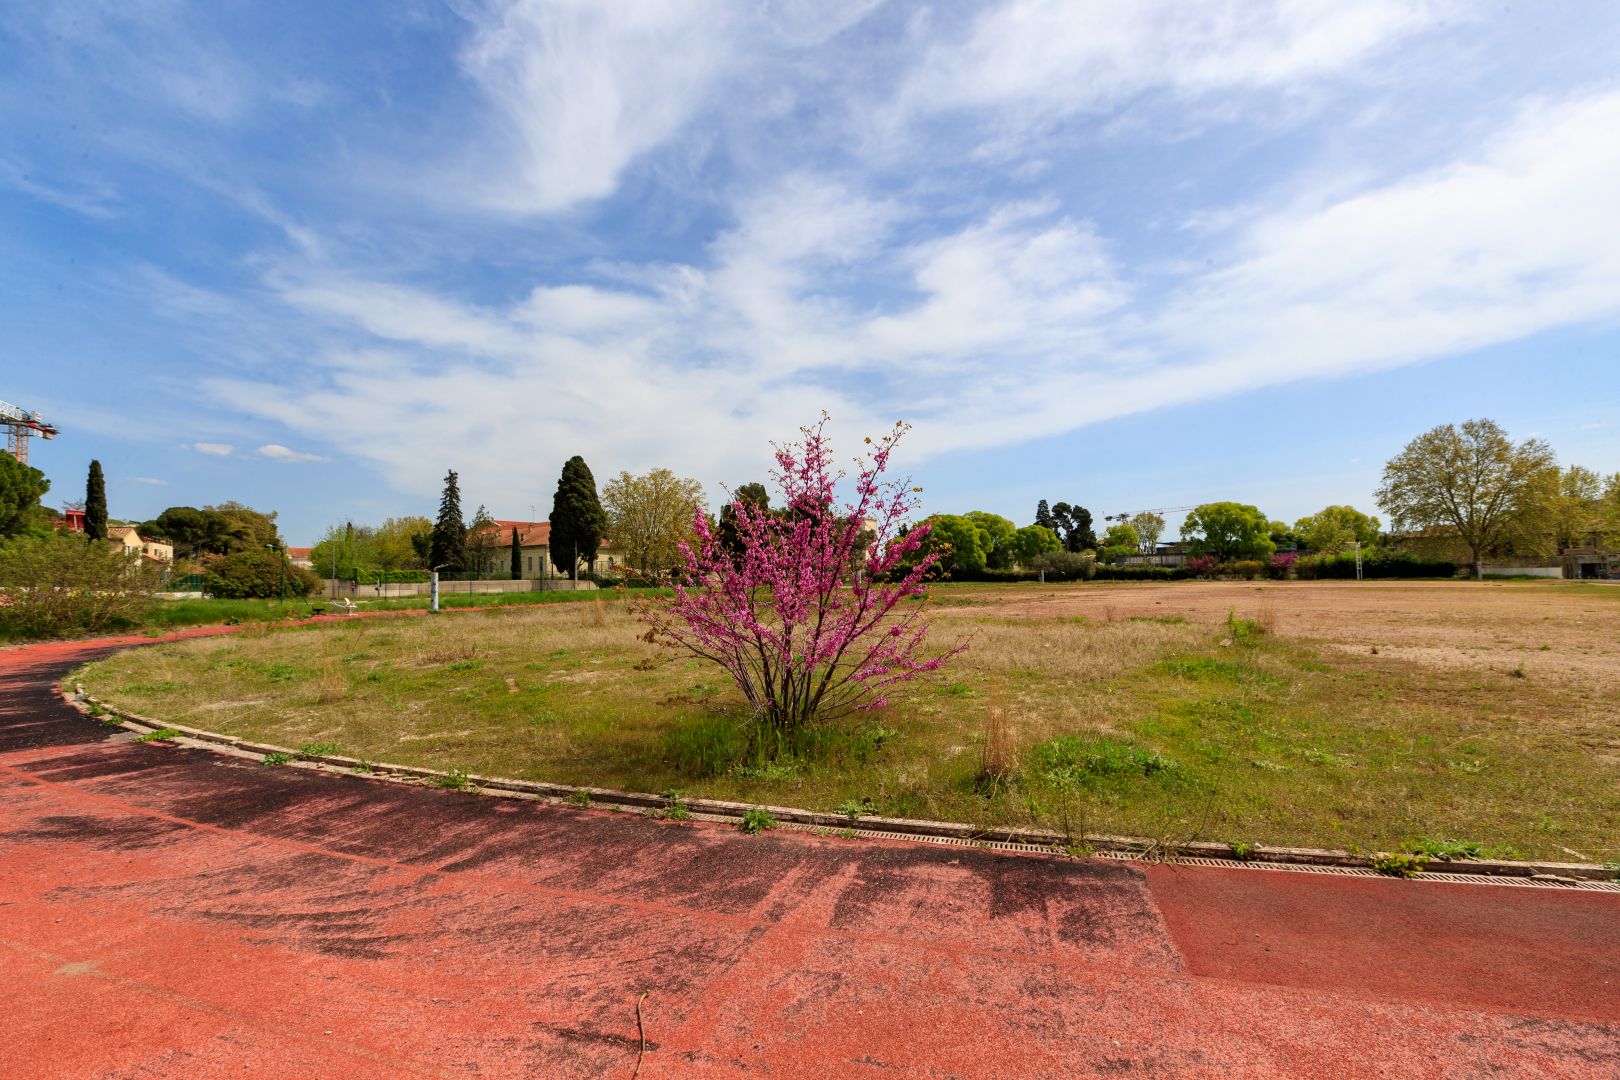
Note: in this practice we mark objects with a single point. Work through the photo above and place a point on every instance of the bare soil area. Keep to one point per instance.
(1563, 633)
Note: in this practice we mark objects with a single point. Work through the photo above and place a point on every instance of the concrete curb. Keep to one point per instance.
(1043, 840)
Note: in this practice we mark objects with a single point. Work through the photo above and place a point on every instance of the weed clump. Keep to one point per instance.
(756, 821)
(1079, 760)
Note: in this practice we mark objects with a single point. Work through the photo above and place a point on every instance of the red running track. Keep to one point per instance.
(180, 913)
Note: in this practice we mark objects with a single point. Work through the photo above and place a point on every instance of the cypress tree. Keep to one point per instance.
(517, 556)
(95, 504)
(1044, 518)
(449, 550)
(577, 518)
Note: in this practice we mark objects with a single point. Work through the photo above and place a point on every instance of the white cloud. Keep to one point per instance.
(214, 448)
(585, 86)
(1017, 324)
(147, 480)
(277, 452)
(1047, 58)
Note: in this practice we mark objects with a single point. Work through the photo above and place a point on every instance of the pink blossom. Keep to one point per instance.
(792, 616)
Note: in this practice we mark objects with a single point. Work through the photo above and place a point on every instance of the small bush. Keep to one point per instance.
(62, 582)
(256, 574)
(1447, 850)
(756, 821)
(1241, 851)
(581, 799)
(278, 758)
(455, 780)
(1248, 569)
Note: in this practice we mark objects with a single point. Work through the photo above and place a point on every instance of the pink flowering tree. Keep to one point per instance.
(805, 622)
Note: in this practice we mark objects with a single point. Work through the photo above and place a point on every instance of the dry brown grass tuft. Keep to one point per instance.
(998, 753)
(446, 652)
(334, 687)
(1266, 620)
(593, 613)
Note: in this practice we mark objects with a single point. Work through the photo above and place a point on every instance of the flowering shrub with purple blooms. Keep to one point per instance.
(1201, 565)
(1281, 563)
(805, 637)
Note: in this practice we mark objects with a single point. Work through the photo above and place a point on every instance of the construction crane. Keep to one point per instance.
(21, 426)
(1158, 510)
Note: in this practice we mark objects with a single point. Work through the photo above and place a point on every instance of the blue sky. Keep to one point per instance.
(310, 256)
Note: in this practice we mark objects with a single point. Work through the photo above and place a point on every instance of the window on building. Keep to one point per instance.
(531, 564)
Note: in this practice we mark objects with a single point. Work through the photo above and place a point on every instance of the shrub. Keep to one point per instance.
(255, 575)
(1200, 565)
(1248, 569)
(1143, 573)
(804, 643)
(1281, 564)
(62, 581)
(1380, 565)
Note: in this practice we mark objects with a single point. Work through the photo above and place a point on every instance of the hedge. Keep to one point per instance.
(1377, 566)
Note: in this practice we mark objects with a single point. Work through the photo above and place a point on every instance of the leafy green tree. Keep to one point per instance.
(63, 581)
(95, 503)
(1031, 542)
(1075, 521)
(195, 532)
(996, 538)
(20, 491)
(1574, 509)
(260, 529)
(1335, 528)
(256, 573)
(578, 522)
(1122, 536)
(448, 551)
(1148, 527)
(1228, 530)
(650, 516)
(1474, 480)
(967, 542)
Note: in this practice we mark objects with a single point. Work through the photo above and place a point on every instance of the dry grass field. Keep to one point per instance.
(1337, 714)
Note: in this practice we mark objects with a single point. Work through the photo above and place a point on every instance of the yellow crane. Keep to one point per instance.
(22, 425)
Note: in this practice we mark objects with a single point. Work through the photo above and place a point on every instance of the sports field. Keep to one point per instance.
(1479, 717)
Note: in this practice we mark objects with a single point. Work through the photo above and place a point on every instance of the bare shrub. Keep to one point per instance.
(593, 613)
(446, 652)
(1266, 620)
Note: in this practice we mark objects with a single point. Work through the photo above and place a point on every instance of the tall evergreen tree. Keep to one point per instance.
(449, 550)
(517, 555)
(1076, 523)
(577, 518)
(1044, 518)
(95, 504)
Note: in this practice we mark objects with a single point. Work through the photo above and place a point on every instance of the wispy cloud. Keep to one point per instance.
(213, 448)
(277, 452)
(147, 480)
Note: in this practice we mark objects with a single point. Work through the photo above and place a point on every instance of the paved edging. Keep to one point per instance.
(897, 828)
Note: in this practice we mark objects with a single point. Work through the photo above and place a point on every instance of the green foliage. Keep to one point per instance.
(20, 490)
(319, 749)
(1335, 528)
(1241, 851)
(95, 503)
(996, 534)
(1228, 530)
(1121, 536)
(717, 746)
(256, 574)
(465, 665)
(1075, 521)
(1401, 864)
(278, 758)
(581, 799)
(1031, 542)
(455, 779)
(1474, 480)
(1084, 760)
(851, 808)
(164, 733)
(967, 545)
(1064, 566)
(1398, 564)
(1447, 850)
(578, 522)
(214, 530)
(447, 548)
(60, 582)
(756, 821)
